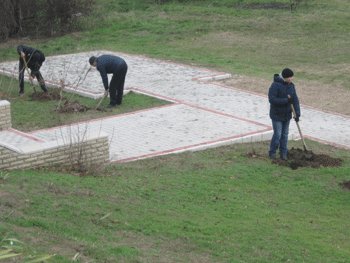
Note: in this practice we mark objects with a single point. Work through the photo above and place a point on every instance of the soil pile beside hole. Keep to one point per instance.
(345, 184)
(42, 96)
(72, 107)
(75, 107)
(297, 158)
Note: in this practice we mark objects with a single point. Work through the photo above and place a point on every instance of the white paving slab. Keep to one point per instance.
(204, 115)
(163, 129)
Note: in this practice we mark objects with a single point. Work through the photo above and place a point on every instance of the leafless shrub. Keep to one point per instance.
(6, 89)
(81, 157)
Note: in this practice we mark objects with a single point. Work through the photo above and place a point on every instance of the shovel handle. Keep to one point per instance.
(295, 115)
(98, 105)
(25, 64)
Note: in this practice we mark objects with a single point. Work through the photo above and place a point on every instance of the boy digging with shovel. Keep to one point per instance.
(34, 59)
(281, 111)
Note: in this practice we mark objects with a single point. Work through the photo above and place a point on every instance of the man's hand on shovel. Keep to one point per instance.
(290, 101)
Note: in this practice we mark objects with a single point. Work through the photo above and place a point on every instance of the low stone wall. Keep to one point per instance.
(89, 149)
(5, 115)
(93, 151)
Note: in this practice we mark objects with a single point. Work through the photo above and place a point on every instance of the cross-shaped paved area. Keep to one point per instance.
(203, 114)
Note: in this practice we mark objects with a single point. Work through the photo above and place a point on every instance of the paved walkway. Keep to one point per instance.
(204, 114)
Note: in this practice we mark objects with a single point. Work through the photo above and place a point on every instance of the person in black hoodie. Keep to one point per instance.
(281, 111)
(34, 59)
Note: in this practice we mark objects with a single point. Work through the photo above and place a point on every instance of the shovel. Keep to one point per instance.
(104, 96)
(308, 154)
(30, 78)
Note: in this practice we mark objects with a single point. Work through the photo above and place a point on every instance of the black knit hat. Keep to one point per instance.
(92, 60)
(287, 73)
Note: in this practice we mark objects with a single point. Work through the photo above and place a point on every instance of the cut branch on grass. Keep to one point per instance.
(15, 249)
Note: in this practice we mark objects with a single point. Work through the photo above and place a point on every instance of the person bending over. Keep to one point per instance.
(34, 59)
(108, 64)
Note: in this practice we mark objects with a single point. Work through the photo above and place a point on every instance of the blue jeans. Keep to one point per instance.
(280, 137)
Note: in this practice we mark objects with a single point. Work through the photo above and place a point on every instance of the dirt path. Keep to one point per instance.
(313, 94)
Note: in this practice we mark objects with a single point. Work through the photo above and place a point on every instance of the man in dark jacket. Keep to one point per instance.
(34, 59)
(117, 66)
(281, 111)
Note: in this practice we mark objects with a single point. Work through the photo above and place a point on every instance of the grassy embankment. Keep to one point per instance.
(210, 206)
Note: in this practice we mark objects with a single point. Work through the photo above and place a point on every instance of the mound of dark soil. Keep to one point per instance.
(298, 158)
(74, 107)
(345, 184)
(42, 96)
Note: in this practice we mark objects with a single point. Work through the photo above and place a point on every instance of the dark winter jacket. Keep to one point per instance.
(33, 57)
(108, 64)
(280, 109)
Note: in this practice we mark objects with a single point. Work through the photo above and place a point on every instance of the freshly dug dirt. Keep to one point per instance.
(67, 107)
(345, 184)
(297, 158)
(42, 96)
(74, 107)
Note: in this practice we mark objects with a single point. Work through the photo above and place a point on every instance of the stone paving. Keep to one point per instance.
(204, 114)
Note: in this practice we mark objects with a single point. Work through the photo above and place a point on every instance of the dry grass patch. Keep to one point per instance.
(162, 249)
(310, 93)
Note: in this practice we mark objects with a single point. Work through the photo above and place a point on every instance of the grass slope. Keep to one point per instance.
(314, 39)
(27, 115)
(210, 206)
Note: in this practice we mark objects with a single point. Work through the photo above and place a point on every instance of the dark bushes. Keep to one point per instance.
(40, 17)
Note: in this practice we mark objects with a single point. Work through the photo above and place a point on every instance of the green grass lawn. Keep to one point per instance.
(219, 34)
(211, 206)
(42, 115)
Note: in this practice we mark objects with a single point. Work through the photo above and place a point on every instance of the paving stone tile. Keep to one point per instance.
(205, 113)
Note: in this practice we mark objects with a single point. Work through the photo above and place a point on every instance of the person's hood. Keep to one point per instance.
(279, 78)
